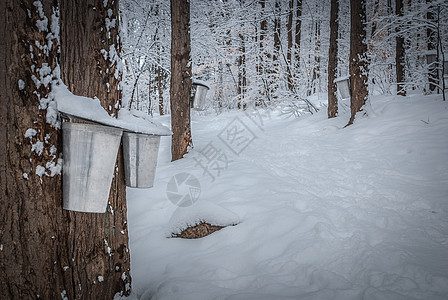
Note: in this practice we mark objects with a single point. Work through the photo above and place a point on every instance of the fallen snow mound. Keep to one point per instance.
(200, 212)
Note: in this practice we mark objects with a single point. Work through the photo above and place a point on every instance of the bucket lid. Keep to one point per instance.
(201, 83)
(91, 110)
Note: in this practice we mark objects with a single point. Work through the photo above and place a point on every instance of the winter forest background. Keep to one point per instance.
(304, 201)
(275, 53)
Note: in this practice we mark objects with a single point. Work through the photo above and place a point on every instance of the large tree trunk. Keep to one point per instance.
(47, 252)
(180, 78)
(358, 65)
(399, 53)
(33, 227)
(333, 60)
(100, 240)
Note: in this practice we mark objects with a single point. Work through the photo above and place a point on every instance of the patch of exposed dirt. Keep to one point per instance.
(198, 231)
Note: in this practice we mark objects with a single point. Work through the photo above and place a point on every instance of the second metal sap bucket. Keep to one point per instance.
(140, 158)
(199, 95)
(343, 85)
(89, 152)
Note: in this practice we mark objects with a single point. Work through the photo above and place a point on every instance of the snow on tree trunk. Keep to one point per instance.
(180, 78)
(47, 252)
(358, 64)
(160, 90)
(242, 81)
(333, 60)
(33, 246)
(91, 66)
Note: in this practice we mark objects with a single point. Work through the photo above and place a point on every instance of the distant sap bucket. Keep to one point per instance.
(431, 56)
(343, 85)
(89, 152)
(140, 159)
(199, 97)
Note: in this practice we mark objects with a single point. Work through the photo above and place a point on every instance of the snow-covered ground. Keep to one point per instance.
(323, 212)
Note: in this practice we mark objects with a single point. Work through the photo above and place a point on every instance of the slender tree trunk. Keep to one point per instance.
(221, 85)
(333, 60)
(263, 31)
(99, 241)
(160, 89)
(47, 252)
(399, 53)
(290, 45)
(272, 83)
(242, 81)
(358, 65)
(150, 92)
(180, 78)
(264, 55)
(298, 35)
(431, 40)
(316, 68)
(277, 28)
(376, 15)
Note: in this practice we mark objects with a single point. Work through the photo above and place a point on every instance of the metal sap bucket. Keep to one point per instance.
(140, 158)
(89, 153)
(343, 85)
(431, 56)
(199, 96)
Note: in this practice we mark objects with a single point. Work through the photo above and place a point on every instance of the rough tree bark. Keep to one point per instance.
(32, 223)
(358, 66)
(45, 251)
(399, 53)
(333, 60)
(89, 67)
(180, 78)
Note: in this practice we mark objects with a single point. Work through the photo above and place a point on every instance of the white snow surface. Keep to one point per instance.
(325, 212)
(91, 109)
